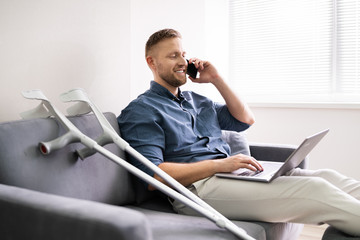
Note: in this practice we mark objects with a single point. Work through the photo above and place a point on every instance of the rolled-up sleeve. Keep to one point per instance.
(139, 127)
(227, 121)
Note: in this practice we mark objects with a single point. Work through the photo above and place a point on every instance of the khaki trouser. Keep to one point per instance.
(303, 196)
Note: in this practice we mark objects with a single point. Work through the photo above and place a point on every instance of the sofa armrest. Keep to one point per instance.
(274, 152)
(27, 214)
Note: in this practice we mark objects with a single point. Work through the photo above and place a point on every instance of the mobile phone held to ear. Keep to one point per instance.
(191, 70)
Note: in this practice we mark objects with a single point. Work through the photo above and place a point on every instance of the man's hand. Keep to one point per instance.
(208, 73)
(235, 162)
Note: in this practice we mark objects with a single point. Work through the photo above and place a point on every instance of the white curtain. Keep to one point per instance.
(295, 50)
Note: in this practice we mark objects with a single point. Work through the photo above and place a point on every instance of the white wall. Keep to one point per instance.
(96, 45)
(59, 45)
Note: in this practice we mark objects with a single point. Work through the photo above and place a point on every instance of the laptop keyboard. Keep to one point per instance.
(250, 173)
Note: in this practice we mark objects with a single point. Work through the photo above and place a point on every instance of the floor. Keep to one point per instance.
(311, 232)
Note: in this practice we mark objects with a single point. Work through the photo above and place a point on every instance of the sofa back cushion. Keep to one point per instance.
(237, 141)
(62, 172)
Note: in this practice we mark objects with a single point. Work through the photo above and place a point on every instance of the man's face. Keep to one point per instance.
(170, 62)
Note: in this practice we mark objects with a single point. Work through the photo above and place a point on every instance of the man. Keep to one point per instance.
(180, 133)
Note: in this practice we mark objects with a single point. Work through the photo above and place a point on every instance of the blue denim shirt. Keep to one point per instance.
(186, 129)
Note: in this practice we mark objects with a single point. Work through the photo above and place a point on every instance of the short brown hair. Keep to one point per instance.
(158, 36)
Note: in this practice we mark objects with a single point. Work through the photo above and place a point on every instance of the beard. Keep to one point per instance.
(171, 78)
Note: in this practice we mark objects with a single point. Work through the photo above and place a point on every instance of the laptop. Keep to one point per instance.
(273, 170)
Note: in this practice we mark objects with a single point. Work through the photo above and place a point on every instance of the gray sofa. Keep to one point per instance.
(332, 233)
(59, 196)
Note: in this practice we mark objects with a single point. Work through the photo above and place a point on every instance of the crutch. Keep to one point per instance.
(46, 109)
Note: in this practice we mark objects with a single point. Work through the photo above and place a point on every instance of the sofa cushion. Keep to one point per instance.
(178, 227)
(27, 214)
(172, 226)
(61, 172)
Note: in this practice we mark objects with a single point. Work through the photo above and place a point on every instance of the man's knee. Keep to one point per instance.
(319, 182)
(328, 174)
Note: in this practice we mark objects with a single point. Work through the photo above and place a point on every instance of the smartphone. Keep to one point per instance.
(191, 70)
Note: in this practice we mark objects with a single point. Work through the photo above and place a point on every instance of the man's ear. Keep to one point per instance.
(151, 62)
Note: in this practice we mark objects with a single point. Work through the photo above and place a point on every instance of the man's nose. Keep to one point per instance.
(183, 61)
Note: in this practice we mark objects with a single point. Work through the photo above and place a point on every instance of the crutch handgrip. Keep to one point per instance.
(60, 142)
(86, 151)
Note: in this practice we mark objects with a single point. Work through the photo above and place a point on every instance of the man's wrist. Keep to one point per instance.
(217, 80)
(217, 165)
(219, 83)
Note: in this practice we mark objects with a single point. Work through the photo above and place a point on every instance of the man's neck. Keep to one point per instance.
(173, 90)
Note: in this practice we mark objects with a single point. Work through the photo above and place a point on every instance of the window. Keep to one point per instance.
(295, 50)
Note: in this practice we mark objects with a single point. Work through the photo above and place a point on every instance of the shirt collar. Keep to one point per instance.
(162, 91)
